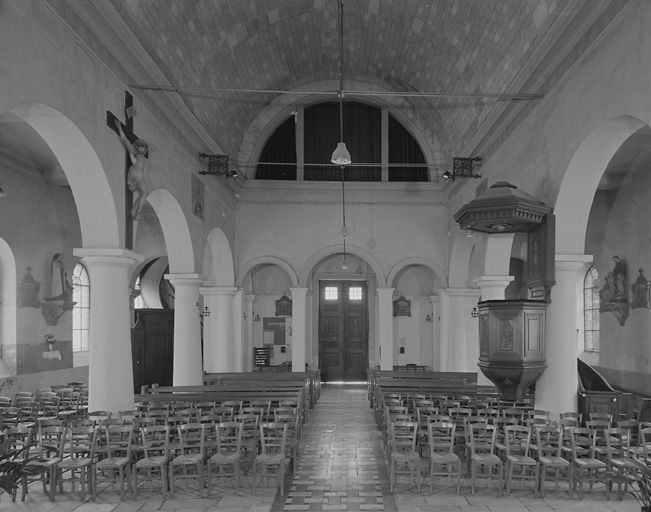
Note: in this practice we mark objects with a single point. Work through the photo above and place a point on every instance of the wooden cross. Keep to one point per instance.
(127, 128)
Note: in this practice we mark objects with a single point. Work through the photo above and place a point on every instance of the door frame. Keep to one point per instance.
(370, 306)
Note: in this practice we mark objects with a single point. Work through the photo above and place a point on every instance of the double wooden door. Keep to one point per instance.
(152, 347)
(343, 330)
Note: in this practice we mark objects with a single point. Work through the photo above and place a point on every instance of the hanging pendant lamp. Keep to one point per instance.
(341, 156)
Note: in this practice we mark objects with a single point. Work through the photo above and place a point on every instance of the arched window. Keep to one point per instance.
(138, 301)
(81, 309)
(591, 311)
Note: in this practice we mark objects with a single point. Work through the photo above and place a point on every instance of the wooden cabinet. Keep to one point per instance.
(152, 347)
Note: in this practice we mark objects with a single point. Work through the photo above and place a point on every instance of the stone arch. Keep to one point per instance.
(8, 308)
(582, 176)
(218, 266)
(365, 255)
(98, 218)
(175, 231)
(266, 260)
(270, 117)
(462, 248)
(424, 262)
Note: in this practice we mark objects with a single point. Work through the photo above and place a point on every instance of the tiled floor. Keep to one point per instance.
(341, 467)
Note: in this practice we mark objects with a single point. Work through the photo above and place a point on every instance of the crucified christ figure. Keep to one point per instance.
(137, 178)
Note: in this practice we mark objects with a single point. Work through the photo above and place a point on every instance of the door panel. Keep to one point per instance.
(343, 331)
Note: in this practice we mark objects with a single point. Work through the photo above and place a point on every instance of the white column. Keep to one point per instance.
(110, 371)
(188, 368)
(247, 334)
(385, 327)
(299, 330)
(219, 348)
(492, 287)
(556, 390)
(238, 326)
(459, 331)
(436, 331)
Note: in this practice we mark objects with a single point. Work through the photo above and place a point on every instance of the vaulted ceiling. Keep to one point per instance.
(462, 73)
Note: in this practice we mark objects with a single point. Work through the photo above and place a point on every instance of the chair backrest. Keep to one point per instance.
(81, 442)
(424, 412)
(99, 416)
(193, 438)
(226, 413)
(403, 436)
(514, 412)
(617, 442)
(549, 440)
(517, 440)
(482, 438)
(155, 440)
(440, 436)
(50, 440)
(118, 440)
(582, 442)
(601, 416)
(5, 401)
(645, 442)
(228, 435)
(273, 438)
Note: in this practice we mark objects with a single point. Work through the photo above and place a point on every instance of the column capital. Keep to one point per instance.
(108, 256)
(384, 292)
(185, 279)
(298, 291)
(207, 291)
(473, 293)
(572, 262)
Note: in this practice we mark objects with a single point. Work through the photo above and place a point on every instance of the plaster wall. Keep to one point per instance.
(46, 64)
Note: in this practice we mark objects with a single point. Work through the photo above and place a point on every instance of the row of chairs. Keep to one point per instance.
(525, 453)
(122, 454)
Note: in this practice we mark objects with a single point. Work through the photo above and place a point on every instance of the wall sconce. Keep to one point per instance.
(218, 166)
(256, 318)
(203, 311)
(243, 315)
(428, 318)
(462, 168)
(474, 312)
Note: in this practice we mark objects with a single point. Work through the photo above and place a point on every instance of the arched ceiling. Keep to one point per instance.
(473, 56)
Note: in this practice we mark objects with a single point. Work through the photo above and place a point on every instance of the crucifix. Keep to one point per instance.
(135, 166)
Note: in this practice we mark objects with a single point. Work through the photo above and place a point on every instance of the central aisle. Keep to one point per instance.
(341, 466)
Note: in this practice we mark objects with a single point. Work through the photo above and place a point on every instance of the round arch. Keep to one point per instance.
(175, 231)
(266, 260)
(8, 306)
(270, 117)
(218, 259)
(423, 262)
(365, 255)
(579, 184)
(98, 218)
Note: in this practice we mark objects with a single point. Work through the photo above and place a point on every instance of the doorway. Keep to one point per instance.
(343, 330)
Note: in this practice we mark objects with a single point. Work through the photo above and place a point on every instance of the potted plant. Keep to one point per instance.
(14, 470)
(641, 484)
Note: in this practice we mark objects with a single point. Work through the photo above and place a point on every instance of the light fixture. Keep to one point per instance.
(428, 318)
(341, 156)
(256, 318)
(462, 168)
(218, 166)
(474, 312)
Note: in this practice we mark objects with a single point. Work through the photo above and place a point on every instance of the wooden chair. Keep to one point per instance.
(585, 466)
(549, 444)
(47, 453)
(191, 456)
(156, 456)
(78, 458)
(483, 460)
(225, 462)
(115, 466)
(518, 441)
(272, 459)
(443, 461)
(403, 454)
